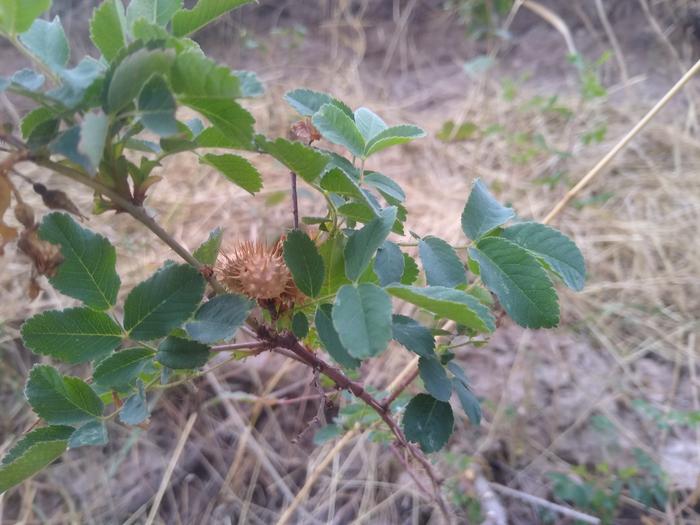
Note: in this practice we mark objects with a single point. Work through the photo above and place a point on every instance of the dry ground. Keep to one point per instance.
(619, 375)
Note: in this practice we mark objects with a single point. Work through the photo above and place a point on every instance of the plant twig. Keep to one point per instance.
(290, 342)
(137, 212)
(250, 345)
(295, 200)
(534, 500)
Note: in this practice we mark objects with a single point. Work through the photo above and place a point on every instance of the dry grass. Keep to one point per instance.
(553, 400)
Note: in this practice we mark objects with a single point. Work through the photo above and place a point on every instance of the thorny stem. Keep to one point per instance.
(290, 342)
(295, 200)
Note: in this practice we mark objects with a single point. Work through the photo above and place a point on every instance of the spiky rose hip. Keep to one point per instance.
(258, 271)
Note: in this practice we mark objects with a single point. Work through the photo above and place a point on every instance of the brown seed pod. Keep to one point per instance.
(258, 271)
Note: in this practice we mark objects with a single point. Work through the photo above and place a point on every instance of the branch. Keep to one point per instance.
(295, 200)
(137, 212)
(290, 342)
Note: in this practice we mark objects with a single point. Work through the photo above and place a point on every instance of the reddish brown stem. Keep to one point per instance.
(295, 200)
(290, 342)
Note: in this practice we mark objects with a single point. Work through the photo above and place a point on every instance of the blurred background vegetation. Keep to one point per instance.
(601, 415)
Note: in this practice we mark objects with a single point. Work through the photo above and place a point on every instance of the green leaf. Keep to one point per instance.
(47, 41)
(303, 160)
(61, 400)
(483, 212)
(35, 451)
(157, 106)
(447, 303)
(520, 283)
(178, 353)
(392, 136)
(208, 251)
(308, 102)
(154, 11)
(470, 403)
(337, 127)
(330, 339)
(369, 123)
(300, 325)
(187, 21)
(78, 83)
(234, 122)
(428, 422)
(434, 377)
(17, 16)
(553, 247)
(363, 244)
(93, 134)
(91, 434)
(133, 72)
(305, 263)
(195, 75)
(411, 270)
(340, 182)
(441, 264)
(325, 434)
(385, 186)
(236, 169)
(250, 84)
(108, 28)
(121, 369)
(219, 318)
(88, 270)
(163, 302)
(28, 79)
(362, 318)
(35, 118)
(413, 335)
(66, 144)
(75, 335)
(135, 409)
(334, 263)
(389, 263)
